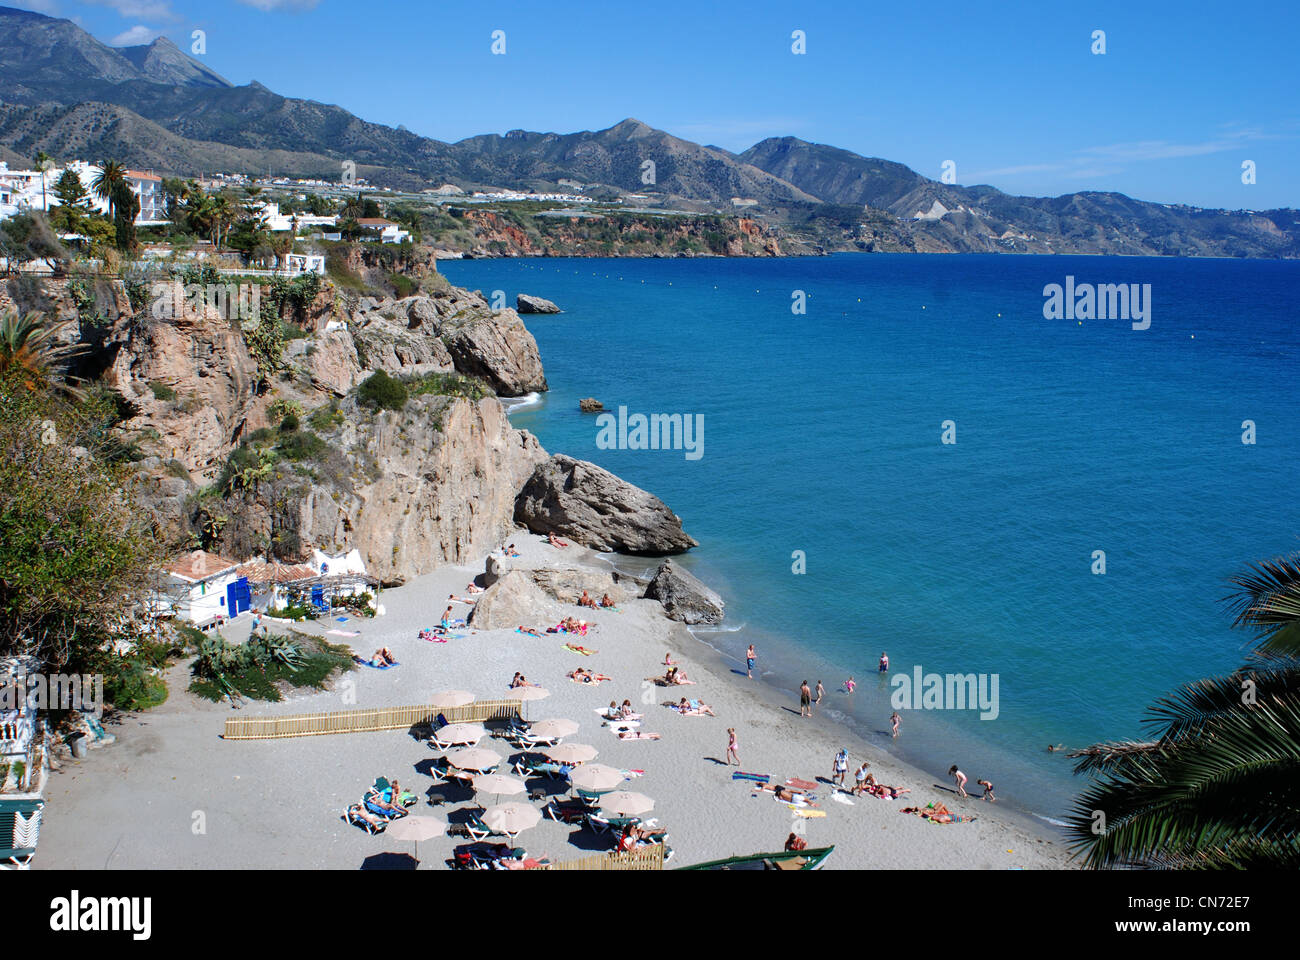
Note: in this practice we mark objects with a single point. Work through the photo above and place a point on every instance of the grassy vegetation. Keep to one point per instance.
(257, 669)
(448, 385)
(382, 392)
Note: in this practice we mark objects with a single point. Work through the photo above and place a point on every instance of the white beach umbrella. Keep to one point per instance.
(553, 729)
(451, 698)
(529, 694)
(460, 733)
(570, 753)
(416, 829)
(498, 784)
(624, 803)
(474, 758)
(596, 777)
(510, 818)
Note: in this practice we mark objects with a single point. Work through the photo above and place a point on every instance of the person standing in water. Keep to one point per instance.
(750, 657)
(732, 750)
(988, 790)
(821, 692)
(884, 662)
(894, 721)
(958, 778)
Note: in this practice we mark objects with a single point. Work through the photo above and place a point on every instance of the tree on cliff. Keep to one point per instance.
(76, 556)
(126, 207)
(1219, 788)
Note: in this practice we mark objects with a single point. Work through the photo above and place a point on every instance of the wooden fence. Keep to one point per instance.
(364, 721)
(642, 858)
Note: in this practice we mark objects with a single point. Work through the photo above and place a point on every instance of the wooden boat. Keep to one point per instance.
(810, 859)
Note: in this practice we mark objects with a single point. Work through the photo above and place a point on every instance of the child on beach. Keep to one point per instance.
(988, 790)
(958, 778)
(731, 747)
(821, 692)
(894, 721)
(850, 685)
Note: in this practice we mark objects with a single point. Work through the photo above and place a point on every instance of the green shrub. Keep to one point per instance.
(449, 385)
(326, 418)
(382, 392)
(161, 391)
(300, 445)
(135, 687)
(290, 423)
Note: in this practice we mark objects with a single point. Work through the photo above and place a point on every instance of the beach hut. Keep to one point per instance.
(206, 588)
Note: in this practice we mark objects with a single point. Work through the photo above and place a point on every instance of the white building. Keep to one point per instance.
(21, 191)
(300, 263)
(206, 588)
(388, 231)
(278, 222)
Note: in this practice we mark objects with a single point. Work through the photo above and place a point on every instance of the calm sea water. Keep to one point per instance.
(822, 435)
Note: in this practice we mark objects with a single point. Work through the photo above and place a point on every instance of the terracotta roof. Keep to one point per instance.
(141, 175)
(374, 222)
(200, 565)
(264, 571)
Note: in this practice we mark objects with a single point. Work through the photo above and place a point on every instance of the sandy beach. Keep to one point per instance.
(170, 793)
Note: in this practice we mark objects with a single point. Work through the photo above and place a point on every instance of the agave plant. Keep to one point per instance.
(29, 347)
(1219, 787)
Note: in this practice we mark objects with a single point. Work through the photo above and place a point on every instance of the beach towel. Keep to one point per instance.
(582, 650)
(841, 798)
(801, 784)
(760, 777)
(525, 632)
(340, 619)
(807, 814)
(373, 666)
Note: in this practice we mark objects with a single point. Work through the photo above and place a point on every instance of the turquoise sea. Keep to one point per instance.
(823, 435)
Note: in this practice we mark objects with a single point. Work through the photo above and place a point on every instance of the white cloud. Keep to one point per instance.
(135, 36)
(266, 5)
(140, 9)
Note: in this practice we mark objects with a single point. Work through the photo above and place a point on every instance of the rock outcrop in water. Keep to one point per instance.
(579, 500)
(684, 596)
(525, 303)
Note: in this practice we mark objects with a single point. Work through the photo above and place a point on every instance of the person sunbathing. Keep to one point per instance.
(635, 836)
(517, 681)
(581, 675)
(375, 799)
(383, 658)
(554, 541)
(785, 794)
(455, 599)
(694, 708)
(638, 735)
(883, 791)
(358, 811)
(677, 677)
(586, 601)
(474, 588)
(605, 601)
(625, 711)
(528, 630)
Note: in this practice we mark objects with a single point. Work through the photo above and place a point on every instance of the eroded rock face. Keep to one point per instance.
(192, 380)
(684, 596)
(514, 601)
(331, 363)
(413, 490)
(567, 585)
(579, 500)
(390, 343)
(525, 303)
(498, 348)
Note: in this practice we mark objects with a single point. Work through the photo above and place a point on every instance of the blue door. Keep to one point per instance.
(238, 597)
(318, 596)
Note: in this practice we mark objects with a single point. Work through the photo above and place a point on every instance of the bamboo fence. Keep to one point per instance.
(642, 858)
(364, 721)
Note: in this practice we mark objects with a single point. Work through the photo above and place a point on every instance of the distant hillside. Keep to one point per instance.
(65, 92)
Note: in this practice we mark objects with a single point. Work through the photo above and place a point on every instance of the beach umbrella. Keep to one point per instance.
(596, 778)
(497, 784)
(510, 818)
(571, 753)
(473, 758)
(552, 729)
(451, 698)
(416, 829)
(624, 803)
(529, 694)
(460, 733)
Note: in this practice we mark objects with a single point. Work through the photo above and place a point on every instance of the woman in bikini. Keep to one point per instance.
(638, 735)
(732, 753)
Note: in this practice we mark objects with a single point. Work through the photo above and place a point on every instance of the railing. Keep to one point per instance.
(364, 721)
(642, 858)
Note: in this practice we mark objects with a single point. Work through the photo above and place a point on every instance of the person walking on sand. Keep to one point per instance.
(840, 767)
(884, 662)
(732, 750)
(750, 657)
(805, 700)
(988, 790)
(821, 692)
(894, 721)
(958, 778)
(860, 779)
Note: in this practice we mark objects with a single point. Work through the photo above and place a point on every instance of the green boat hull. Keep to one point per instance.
(812, 859)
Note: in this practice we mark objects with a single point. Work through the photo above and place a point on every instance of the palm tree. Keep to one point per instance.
(1219, 787)
(29, 349)
(111, 174)
(223, 215)
(43, 161)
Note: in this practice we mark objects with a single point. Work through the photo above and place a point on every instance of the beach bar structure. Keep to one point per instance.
(206, 589)
(22, 764)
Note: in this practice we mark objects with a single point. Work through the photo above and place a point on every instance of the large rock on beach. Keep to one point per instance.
(567, 585)
(684, 596)
(525, 303)
(494, 570)
(583, 502)
(512, 601)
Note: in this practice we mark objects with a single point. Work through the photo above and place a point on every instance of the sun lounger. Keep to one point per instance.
(370, 822)
(601, 824)
(383, 812)
(525, 741)
(484, 856)
(555, 771)
(385, 788)
(478, 830)
(567, 811)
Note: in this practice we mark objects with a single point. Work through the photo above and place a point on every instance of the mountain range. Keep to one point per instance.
(154, 106)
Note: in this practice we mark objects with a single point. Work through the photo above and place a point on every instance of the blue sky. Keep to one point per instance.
(1009, 91)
